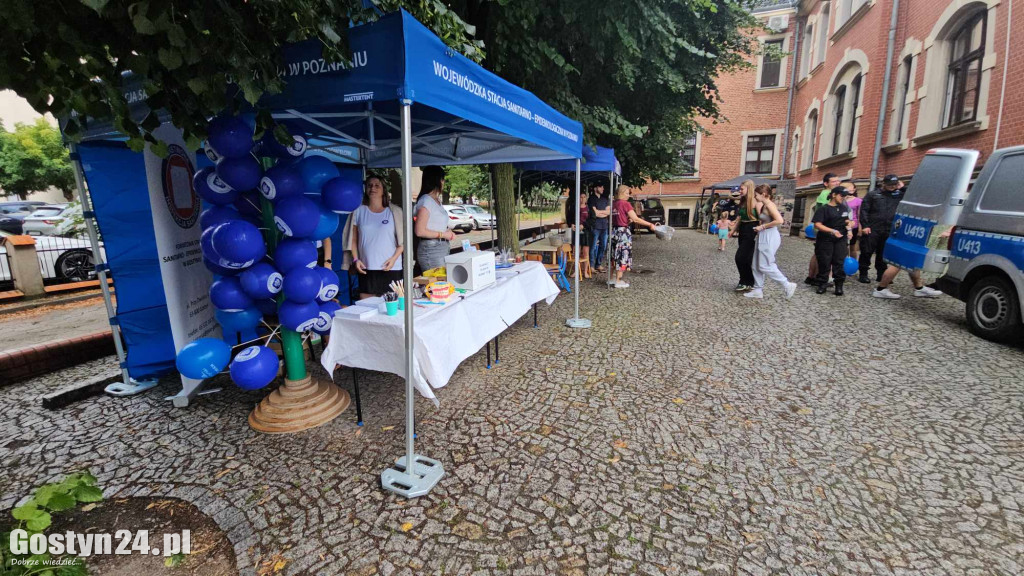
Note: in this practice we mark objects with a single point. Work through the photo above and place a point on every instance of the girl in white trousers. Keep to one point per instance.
(768, 241)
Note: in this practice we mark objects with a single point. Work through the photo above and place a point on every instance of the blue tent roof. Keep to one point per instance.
(462, 114)
(598, 159)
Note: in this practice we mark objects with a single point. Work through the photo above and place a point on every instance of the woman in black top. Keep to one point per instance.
(832, 223)
(743, 226)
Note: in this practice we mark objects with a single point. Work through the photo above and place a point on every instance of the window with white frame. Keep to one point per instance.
(810, 139)
(806, 50)
(771, 64)
(688, 155)
(964, 72)
(901, 108)
(759, 154)
(855, 97)
(846, 9)
(843, 101)
(794, 152)
(823, 22)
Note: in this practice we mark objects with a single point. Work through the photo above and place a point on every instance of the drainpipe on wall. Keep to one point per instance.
(887, 77)
(1006, 66)
(789, 106)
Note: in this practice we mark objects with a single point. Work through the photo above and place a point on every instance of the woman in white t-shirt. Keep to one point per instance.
(376, 240)
(432, 221)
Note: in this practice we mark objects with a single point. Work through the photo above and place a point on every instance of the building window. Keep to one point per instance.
(805, 51)
(839, 112)
(760, 155)
(847, 8)
(902, 92)
(823, 22)
(964, 77)
(794, 152)
(771, 64)
(810, 139)
(855, 88)
(688, 155)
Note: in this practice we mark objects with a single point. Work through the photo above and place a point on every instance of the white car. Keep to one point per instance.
(481, 218)
(52, 220)
(65, 259)
(458, 218)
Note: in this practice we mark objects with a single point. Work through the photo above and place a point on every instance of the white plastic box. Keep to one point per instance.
(470, 270)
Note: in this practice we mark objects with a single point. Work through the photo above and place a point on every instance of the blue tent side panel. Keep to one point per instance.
(117, 183)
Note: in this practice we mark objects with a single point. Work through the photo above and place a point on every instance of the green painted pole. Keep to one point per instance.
(291, 341)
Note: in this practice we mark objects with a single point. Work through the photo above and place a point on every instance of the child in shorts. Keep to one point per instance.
(723, 230)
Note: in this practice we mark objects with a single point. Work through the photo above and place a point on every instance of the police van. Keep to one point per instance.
(976, 238)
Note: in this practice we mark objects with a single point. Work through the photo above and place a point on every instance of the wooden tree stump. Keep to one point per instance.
(299, 405)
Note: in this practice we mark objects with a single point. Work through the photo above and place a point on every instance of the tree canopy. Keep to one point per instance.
(33, 158)
(68, 56)
(636, 74)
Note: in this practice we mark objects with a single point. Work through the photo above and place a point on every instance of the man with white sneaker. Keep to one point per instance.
(920, 290)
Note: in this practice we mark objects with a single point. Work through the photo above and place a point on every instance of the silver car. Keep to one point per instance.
(481, 218)
(458, 218)
(52, 220)
(64, 259)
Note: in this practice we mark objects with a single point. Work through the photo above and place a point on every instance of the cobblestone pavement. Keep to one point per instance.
(691, 431)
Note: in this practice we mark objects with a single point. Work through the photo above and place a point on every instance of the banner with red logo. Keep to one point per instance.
(175, 206)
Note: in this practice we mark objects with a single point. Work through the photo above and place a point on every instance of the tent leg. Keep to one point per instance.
(127, 386)
(412, 475)
(609, 249)
(490, 208)
(575, 321)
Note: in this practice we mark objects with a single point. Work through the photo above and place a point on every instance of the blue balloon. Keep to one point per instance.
(254, 367)
(850, 266)
(215, 215)
(326, 317)
(302, 285)
(227, 294)
(326, 226)
(230, 137)
(203, 358)
(329, 284)
(212, 189)
(217, 269)
(206, 244)
(298, 316)
(296, 216)
(810, 232)
(249, 205)
(211, 153)
(242, 173)
(713, 229)
(316, 170)
(238, 243)
(241, 321)
(342, 194)
(281, 181)
(294, 253)
(269, 146)
(261, 281)
(267, 306)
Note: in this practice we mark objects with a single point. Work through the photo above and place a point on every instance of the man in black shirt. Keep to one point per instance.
(876, 216)
(832, 224)
(599, 207)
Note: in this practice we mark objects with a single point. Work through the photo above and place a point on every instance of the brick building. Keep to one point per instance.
(952, 84)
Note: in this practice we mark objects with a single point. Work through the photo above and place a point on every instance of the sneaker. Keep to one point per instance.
(621, 285)
(790, 289)
(926, 292)
(741, 288)
(863, 279)
(755, 293)
(885, 293)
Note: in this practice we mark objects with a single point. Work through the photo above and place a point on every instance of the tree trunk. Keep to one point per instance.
(505, 206)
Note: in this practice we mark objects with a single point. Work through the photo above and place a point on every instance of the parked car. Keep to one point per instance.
(649, 209)
(11, 224)
(985, 248)
(458, 219)
(481, 218)
(19, 208)
(52, 220)
(64, 259)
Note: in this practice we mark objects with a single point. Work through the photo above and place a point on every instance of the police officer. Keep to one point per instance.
(876, 214)
(832, 244)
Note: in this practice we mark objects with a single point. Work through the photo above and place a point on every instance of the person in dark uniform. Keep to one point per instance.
(876, 214)
(832, 224)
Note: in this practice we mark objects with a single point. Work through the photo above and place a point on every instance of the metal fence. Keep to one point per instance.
(6, 280)
(64, 259)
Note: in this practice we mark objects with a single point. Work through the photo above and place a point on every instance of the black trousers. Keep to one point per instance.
(745, 253)
(830, 252)
(873, 243)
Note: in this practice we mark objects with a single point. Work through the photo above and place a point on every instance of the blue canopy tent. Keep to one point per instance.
(408, 100)
(598, 163)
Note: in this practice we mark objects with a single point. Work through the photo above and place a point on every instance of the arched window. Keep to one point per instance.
(810, 139)
(855, 94)
(902, 91)
(823, 22)
(840, 131)
(964, 74)
(838, 112)
(806, 49)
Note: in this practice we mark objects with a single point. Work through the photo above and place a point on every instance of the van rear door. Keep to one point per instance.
(931, 206)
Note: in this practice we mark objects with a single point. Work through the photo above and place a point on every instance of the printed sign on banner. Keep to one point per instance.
(175, 207)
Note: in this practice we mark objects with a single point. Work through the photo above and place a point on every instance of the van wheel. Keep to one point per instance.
(993, 311)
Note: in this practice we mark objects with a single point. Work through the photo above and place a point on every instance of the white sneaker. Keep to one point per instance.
(621, 285)
(885, 293)
(790, 289)
(831, 281)
(926, 292)
(755, 293)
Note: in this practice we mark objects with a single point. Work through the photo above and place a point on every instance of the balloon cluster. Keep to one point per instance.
(306, 194)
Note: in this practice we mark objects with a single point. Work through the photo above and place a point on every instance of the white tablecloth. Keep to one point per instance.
(444, 335)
